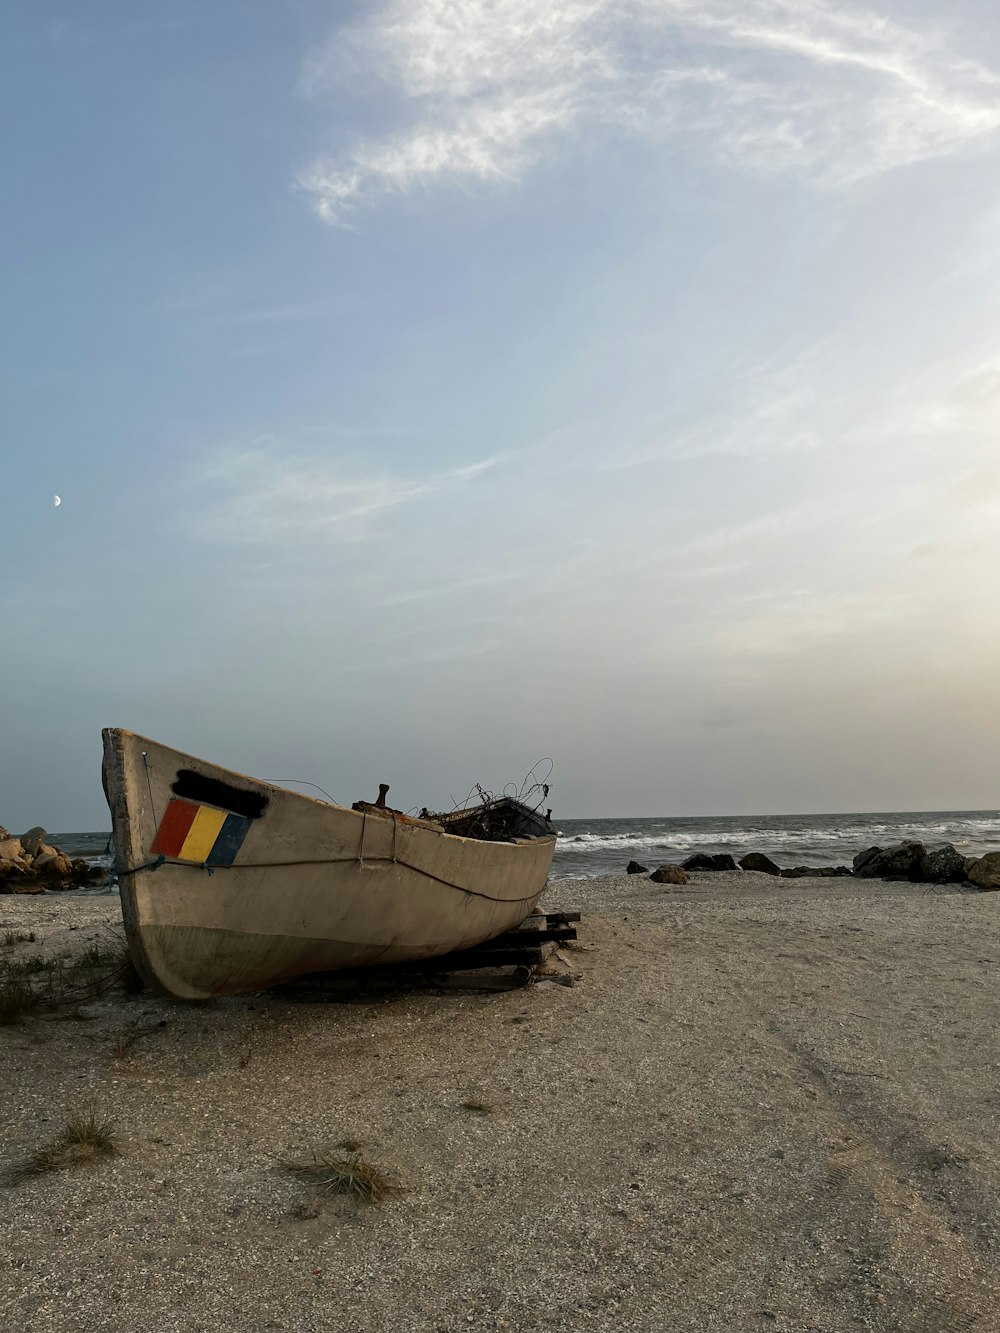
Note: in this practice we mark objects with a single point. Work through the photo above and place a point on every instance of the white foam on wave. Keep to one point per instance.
(860, 835)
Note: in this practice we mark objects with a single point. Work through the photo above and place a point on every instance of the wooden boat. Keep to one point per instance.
(231, 885)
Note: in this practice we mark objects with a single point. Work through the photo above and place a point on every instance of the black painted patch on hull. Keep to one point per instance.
(192, 786)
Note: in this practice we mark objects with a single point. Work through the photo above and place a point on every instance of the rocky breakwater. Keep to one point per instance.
(912, 861)
(909, 860)
(29, 864)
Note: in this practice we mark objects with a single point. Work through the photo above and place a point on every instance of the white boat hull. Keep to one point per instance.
(311, 886)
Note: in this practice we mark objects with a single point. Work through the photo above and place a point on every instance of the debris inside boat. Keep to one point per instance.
(494, 819)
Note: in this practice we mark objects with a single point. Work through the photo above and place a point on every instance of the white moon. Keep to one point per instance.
(57, 500)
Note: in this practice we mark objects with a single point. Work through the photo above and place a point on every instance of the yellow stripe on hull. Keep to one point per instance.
(202, 834)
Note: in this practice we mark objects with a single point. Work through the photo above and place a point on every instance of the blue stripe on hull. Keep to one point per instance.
(229, 841)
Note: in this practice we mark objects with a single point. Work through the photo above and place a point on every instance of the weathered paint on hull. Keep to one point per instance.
(312, 887)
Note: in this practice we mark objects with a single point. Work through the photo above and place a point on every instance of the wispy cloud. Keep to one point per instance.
(454, 587)
(287, 313)
(487, 87)
(920, 532)
(470, 470)
(770, 409)
(221, 298)
(265, 495)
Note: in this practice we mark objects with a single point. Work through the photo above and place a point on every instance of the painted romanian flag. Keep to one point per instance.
(200, 833)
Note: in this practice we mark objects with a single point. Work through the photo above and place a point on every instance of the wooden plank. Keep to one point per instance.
(556, 918)
(363, 982)
(521, 949)
(474, 958)
(483, 981)
(469, 960)
(515, 938)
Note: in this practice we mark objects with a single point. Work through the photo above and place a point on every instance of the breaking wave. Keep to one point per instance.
(603, 846)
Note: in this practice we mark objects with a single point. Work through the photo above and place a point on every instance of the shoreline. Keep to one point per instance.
(595, 847)
(765, 1104)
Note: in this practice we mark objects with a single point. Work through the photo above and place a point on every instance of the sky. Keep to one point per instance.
(436, 385)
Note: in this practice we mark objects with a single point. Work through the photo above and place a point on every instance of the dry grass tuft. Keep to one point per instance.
(83, 1140)
(37, 964)
(126, 1039)
(131, 1033)
(129, 977)
(62, 980)
(13, 937)
(478, 1107)
(352, 1175)
(305, 1212)
(17, 998)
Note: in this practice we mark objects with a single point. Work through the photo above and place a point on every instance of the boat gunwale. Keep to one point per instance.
(324, 805)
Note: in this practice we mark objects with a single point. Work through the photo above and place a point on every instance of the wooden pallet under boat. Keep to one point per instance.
(508, 961)
(229, 884)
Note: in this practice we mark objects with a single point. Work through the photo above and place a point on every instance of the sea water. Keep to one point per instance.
(591, 847)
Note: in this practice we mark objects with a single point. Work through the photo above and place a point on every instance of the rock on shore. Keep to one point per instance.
(985, 873)
(816, 872)
(709, 861)
(758, 861)
(909, 860)
(669, 875)
(29, 864)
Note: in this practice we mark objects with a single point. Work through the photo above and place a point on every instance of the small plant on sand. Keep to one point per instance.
(62, 980)
(132, 1032)
(351, 1175)
(129, 977)
(37, 964)
(305, 1212)
(104, 956)
(13, 937)
(123, 1043)
(85, 1138)
(17, 998)
(477, 1106)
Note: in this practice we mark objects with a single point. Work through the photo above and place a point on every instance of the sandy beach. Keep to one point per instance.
(764, 1105)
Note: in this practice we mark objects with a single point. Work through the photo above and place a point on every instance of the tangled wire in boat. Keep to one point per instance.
(513, 813)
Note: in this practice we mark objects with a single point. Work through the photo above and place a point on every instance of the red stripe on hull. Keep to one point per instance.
(174, 828)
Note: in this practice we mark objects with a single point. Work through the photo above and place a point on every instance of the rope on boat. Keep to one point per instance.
(149, 785)
(361, 844)
(324, 861)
